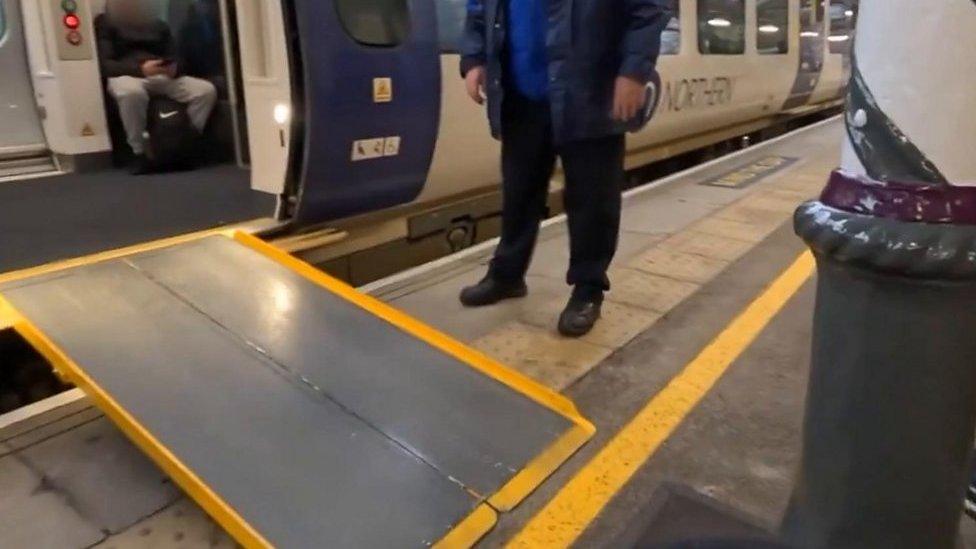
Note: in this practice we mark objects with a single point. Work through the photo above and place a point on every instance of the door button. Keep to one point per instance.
(74, 38)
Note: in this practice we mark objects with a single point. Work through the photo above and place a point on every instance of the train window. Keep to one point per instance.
(843, 19)
(722, 27)
(450, 23)
(671, 37)
(3, 20)
(772, 26)
(375, 22)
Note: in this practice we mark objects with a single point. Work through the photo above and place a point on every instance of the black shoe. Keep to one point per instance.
(579, 316)
(140, 165)
(490, 291)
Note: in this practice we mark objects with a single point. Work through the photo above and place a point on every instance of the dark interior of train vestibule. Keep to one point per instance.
(97, 195)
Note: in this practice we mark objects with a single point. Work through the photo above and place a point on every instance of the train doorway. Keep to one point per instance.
(23, 148)
(89, 200)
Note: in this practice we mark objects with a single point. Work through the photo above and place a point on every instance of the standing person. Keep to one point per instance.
(136, 55)
(561, 78)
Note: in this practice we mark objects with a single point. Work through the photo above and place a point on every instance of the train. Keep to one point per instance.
(350, 117)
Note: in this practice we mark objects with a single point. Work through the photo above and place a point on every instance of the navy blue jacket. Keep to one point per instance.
(589, 43)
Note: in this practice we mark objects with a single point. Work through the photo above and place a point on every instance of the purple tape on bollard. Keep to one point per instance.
(908, 202)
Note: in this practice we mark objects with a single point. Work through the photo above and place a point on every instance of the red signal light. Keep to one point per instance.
(72, 21)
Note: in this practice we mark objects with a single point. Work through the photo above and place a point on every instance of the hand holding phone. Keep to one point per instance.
(168, 66)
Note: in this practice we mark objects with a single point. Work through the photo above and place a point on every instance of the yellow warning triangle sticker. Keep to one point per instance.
(382, 90)
(87, 131)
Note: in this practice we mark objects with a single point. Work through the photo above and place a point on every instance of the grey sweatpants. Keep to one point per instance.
(132, 94)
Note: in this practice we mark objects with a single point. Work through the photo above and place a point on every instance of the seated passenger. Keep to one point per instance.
(136, 55)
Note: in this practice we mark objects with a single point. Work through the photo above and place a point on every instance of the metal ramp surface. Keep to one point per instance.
(296, 411)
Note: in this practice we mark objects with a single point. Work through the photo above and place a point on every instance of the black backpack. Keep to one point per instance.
(173, 143)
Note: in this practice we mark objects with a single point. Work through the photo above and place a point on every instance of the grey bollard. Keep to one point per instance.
(891, 404)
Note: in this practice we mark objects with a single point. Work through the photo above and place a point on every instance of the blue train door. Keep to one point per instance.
(371, 80)
(808, 74)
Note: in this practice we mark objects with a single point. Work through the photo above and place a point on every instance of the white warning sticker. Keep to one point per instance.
(371, 149)
(368, 149)
(392, 146)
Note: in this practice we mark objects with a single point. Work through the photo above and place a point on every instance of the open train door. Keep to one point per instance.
(266, 80)
(371, 85)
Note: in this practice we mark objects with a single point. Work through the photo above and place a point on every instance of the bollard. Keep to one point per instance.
(891, 404)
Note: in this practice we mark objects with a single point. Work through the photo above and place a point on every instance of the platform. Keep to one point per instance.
(296, 411)
(698, 250)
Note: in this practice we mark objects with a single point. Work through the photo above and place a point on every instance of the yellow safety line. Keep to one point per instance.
(470, 530)
(193, 485)
(567, 515)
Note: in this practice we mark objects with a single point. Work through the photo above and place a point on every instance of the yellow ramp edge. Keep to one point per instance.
(107, 255)
(470, 530)
(8, 317)
(193, 485)
(464, 534)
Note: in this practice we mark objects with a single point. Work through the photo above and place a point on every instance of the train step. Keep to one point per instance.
(27, 166)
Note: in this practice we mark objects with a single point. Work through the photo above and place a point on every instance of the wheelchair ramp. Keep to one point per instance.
(296, 411)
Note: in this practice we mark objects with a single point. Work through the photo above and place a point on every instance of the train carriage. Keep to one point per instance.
(349, 115)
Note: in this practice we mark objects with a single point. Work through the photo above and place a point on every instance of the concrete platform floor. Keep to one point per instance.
(692, 257)
(740, 444)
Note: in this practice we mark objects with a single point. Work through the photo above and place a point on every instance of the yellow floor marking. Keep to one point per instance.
(567, 515)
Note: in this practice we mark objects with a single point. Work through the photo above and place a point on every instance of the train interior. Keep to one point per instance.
(86, 193)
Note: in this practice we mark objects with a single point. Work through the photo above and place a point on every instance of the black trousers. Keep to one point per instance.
(594, 171)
